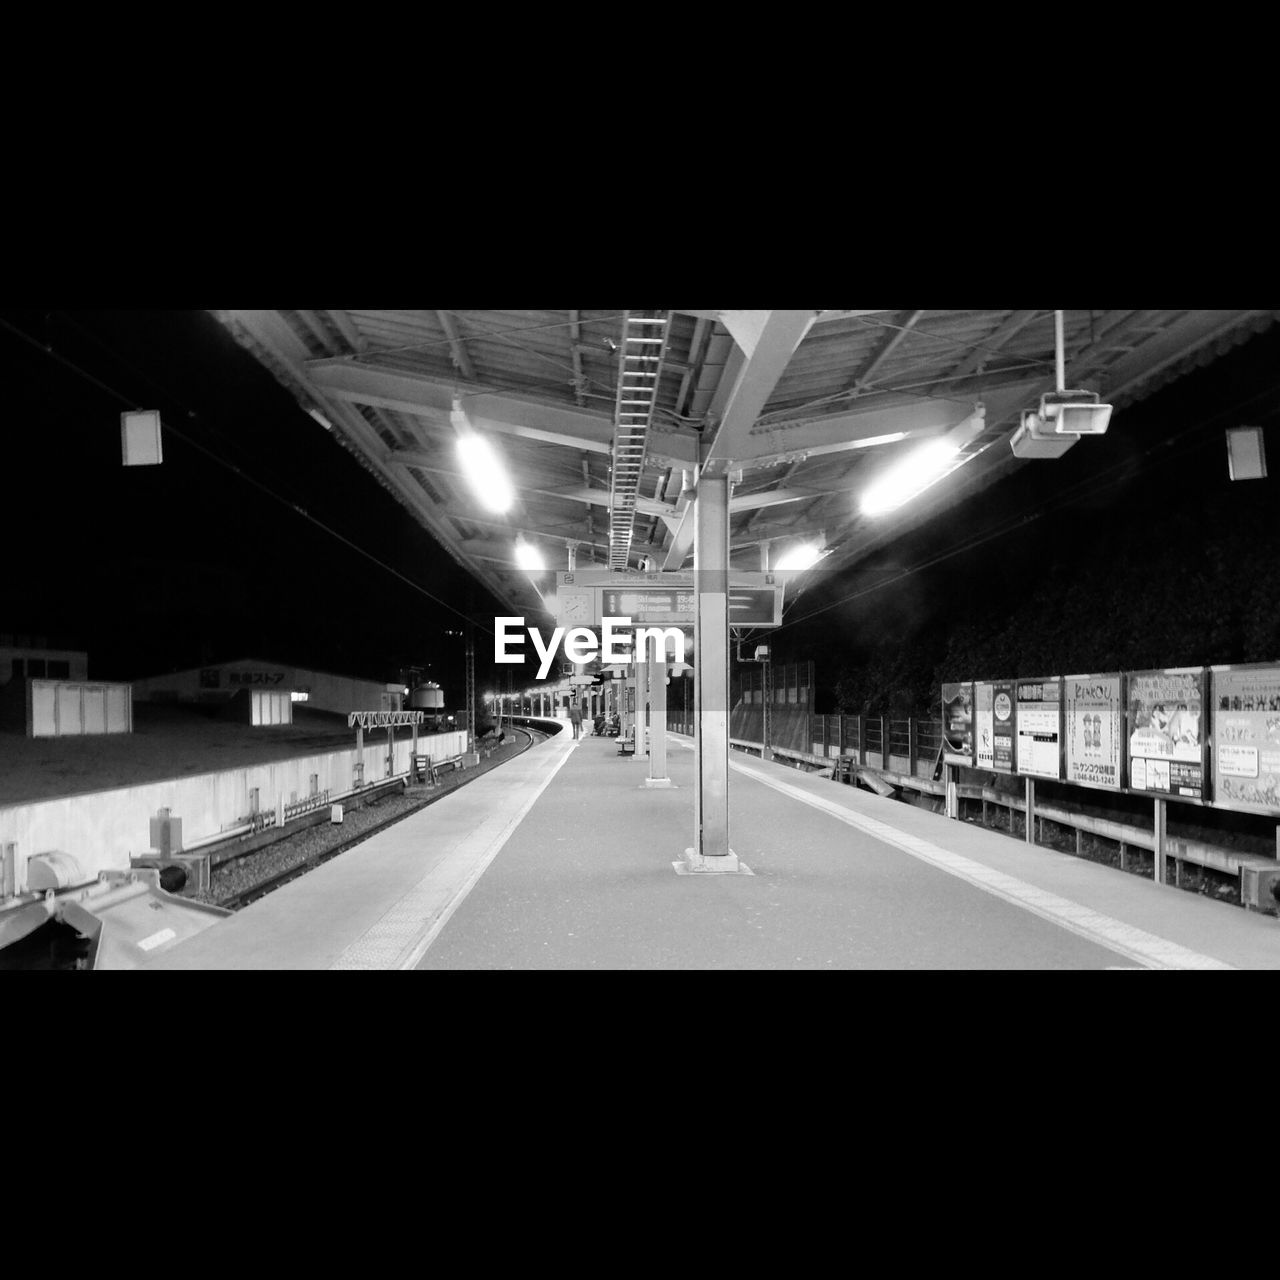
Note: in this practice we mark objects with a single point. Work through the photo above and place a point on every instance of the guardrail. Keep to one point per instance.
(905, 753)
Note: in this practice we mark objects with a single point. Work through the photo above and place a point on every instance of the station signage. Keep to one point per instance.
(1039, 725)
(1166, 742)
(585, 597)
(957, 723)
(1246, 738)
(1093, 715)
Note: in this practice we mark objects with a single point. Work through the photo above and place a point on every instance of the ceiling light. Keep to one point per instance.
(482, 466)
(923, 467)
(529, 557)
(803, 555)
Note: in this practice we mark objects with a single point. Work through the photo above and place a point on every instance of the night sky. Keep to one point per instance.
(156, 568)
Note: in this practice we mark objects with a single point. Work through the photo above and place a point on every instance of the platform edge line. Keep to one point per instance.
(423, 945)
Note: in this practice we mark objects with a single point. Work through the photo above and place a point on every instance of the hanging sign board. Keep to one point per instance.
(585, 597)
(1246, 738)
(1093, 715)
(1002, 726)
(1039, 724)
(957, 723)
(1166, 742)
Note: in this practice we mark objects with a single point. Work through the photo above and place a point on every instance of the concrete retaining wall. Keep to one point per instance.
(100, 829)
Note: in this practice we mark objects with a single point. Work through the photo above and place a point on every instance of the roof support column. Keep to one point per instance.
(657, 720)
(711, 852)
(642, 698)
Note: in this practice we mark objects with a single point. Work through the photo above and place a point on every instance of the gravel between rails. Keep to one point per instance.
(316, 842)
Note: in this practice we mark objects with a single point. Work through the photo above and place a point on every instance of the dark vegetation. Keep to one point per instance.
(1133, 551)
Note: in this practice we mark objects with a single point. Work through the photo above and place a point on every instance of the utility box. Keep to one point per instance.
(1255, 887)
(335, 813)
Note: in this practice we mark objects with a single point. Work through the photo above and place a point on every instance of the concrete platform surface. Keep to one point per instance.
(563, 860)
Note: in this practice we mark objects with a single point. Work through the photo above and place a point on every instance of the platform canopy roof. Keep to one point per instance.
(804, 408)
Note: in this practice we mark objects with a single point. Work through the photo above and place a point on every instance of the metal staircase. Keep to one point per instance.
(644, 341)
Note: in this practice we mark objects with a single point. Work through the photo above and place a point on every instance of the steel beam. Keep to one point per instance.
(774, 337)
(461, 360)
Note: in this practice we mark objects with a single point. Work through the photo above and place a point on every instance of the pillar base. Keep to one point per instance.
(662, 783)
(695, 864)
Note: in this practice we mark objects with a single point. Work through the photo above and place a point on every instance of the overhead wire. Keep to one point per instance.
(230, 466)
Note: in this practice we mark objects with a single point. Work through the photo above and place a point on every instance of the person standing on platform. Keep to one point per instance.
(575, 719)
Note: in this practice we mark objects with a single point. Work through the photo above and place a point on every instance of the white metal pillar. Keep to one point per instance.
(658, 726)
(642, 697)
(711, 850)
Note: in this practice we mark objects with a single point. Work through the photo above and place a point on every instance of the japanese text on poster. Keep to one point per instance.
(1094, 719)
(1002, 725)
(1166, 749)
(983, 732)
(1039, 704)
(1246, 738)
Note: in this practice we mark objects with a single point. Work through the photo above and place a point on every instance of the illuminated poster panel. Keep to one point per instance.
(957, 723)
(1166, 744)
(1246, 738)
(1094, 718)
(984, 743)
(1002, 726)
(1039, 724)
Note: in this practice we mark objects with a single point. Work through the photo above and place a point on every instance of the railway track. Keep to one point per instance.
(260, 888)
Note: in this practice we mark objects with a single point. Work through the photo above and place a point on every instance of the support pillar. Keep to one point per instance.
(710, 851)
(1031, 811)
(1161, 876)
(642, 697)
(766, 707)
(953, 794)
(658, 726)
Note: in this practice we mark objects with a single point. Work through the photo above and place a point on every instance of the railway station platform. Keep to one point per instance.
(563, 859)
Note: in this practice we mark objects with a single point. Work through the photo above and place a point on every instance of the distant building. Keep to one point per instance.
(20, 659)
(318, 689)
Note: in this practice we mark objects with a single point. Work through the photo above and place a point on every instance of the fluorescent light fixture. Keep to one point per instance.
(485, 473)
(922, 467)
(528, 557)
(803, 555)
(321, 419)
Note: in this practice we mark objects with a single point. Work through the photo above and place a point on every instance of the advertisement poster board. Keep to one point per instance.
(984, 745)
(1166, 740)
(1039, 726)
(1002, 726)
(1094, 729)
(1246, 738)
(957, 723)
